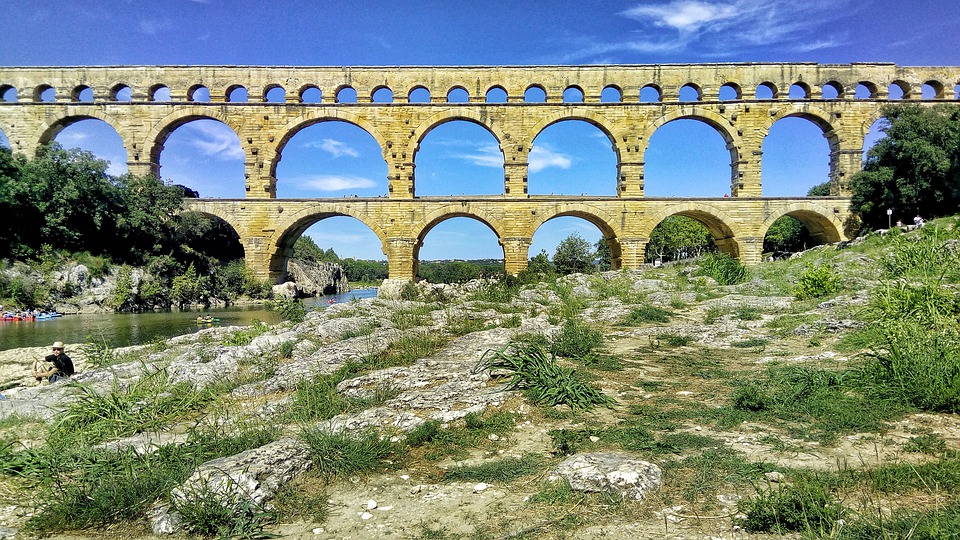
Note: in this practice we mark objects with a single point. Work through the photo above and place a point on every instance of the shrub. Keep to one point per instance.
(576, 340)
(806, 506)
(723, 268)
(290, 309)
(817, 281)
(536, 372)
(646, 313)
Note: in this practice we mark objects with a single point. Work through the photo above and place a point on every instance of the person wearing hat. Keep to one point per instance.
(56, 366)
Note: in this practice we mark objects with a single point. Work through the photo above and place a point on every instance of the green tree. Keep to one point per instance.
(573, 254)
(678, 237)
(820, 190)
(786, 234)
(914, 169)
(603, 254)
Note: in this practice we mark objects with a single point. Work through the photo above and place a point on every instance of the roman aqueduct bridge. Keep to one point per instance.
(145, 104)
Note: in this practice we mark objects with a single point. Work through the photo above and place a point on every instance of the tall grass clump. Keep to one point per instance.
(343, 454)
(243, 337)
(723, 268)
(646, 313)
(222, 512)
(576, 340)
(536, 372)
(817, 281)
(805, 506)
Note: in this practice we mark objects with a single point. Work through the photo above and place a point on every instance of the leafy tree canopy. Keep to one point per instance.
(573, 254)
(914, 169)
(678, 237)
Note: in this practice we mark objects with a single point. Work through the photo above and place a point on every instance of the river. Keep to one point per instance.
(123, 329)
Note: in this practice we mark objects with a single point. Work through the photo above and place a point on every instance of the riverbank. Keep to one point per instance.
(728, 393)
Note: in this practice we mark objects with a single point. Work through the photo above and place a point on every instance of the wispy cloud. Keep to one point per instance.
(215, 140)
(541, 157)
(335, 182)
(152, 27)
(333, 147)
(70, 139)
(484, 156)
(725, 28)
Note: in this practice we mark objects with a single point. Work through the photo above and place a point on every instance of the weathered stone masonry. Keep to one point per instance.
(268, 226)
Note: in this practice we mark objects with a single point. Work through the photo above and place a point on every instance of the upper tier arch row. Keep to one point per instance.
(141, 83)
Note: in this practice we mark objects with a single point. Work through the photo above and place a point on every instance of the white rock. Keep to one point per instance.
(371, 504)
(318, 530)
(366, 515)
(384, 508)
(493, 437)
(480, 487)
(404, 476)
(594, 438)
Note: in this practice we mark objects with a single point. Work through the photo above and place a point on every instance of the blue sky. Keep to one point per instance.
(333, 160)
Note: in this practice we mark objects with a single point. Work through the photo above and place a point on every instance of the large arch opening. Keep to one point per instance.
(688, 158)
(678, 237)
(572, 157)
(457, 248)
(204, 155)
(796, 231)
(335, 238)
(458, 157)
(331, 158)
(96, 137)
(876, 132)
(212, 239)
(581, 242)
(4, 141)
(796, 157)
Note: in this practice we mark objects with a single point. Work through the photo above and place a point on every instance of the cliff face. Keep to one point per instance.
(317, 278)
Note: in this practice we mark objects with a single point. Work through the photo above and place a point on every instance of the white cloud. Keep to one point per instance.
(484, 156)
(335, 182)
(541, 157)
(684, 15)
(333, 147)
(71, 139)
(216, 140)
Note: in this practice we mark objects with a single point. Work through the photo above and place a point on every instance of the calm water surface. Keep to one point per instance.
(123, 329)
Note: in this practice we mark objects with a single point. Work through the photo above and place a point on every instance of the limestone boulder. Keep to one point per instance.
(610, 472)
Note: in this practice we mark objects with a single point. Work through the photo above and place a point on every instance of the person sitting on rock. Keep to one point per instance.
(55, 366)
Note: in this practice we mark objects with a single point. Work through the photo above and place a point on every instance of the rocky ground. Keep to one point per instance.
(673, 379)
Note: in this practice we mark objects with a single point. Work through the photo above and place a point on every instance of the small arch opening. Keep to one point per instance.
(799, 91)
(275, 94)
(83, 94)
(347, 94)
(121, 92)
(650, 94)
(159, 92)
(237, 94)
(311, 94)
(496, 94)
(730, 92)
(611, 94)
(573, 95)
(458, 95)
(689, 92)
(382, 95)
(419, 95)
(535, 94)
(8, 94)
(766, 90)
(931, 90)
(898, 90)
(198, 94)
(45, 94)
(832, 90)
(866, 90)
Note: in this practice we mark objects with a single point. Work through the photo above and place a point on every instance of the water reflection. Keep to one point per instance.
(123, 329)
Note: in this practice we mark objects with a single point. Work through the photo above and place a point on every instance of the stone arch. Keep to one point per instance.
(721, 124)
(49, 130)
(436, 217)
(441, 118)
(416, 87)
(837, 87)
(824, 225)
(293, 225)
(904, 87)
(609, 230)
(818, 116)
(80, 89)
(161, 130)
(722, 227)
(506, 94)
(115, 90)
(228, 93)
(291, 128)
(597, 120)
(735, 87)
(452, 90)
(306, 88)
(936, 86)
(378, 88)
(698, 92)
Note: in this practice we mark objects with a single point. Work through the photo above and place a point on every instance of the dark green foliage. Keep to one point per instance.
(459, 271)
(576, 340)
(914, 169)
(723, 268)
(573, 255)
(504, 470)
(223, 513)
(787, 234)
(537, 373)
(942, 523)
(749, 397)
(646, 313)
(678, 237)
(539, 268)
(819, 190)
(290, 309)
(342, 454)
(805, 506)
(817, 281)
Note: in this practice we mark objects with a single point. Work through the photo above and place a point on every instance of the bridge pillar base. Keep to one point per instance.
(516, 251)
(402, 258)
(632, 253)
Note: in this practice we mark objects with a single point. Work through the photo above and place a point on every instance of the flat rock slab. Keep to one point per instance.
(610, 472)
